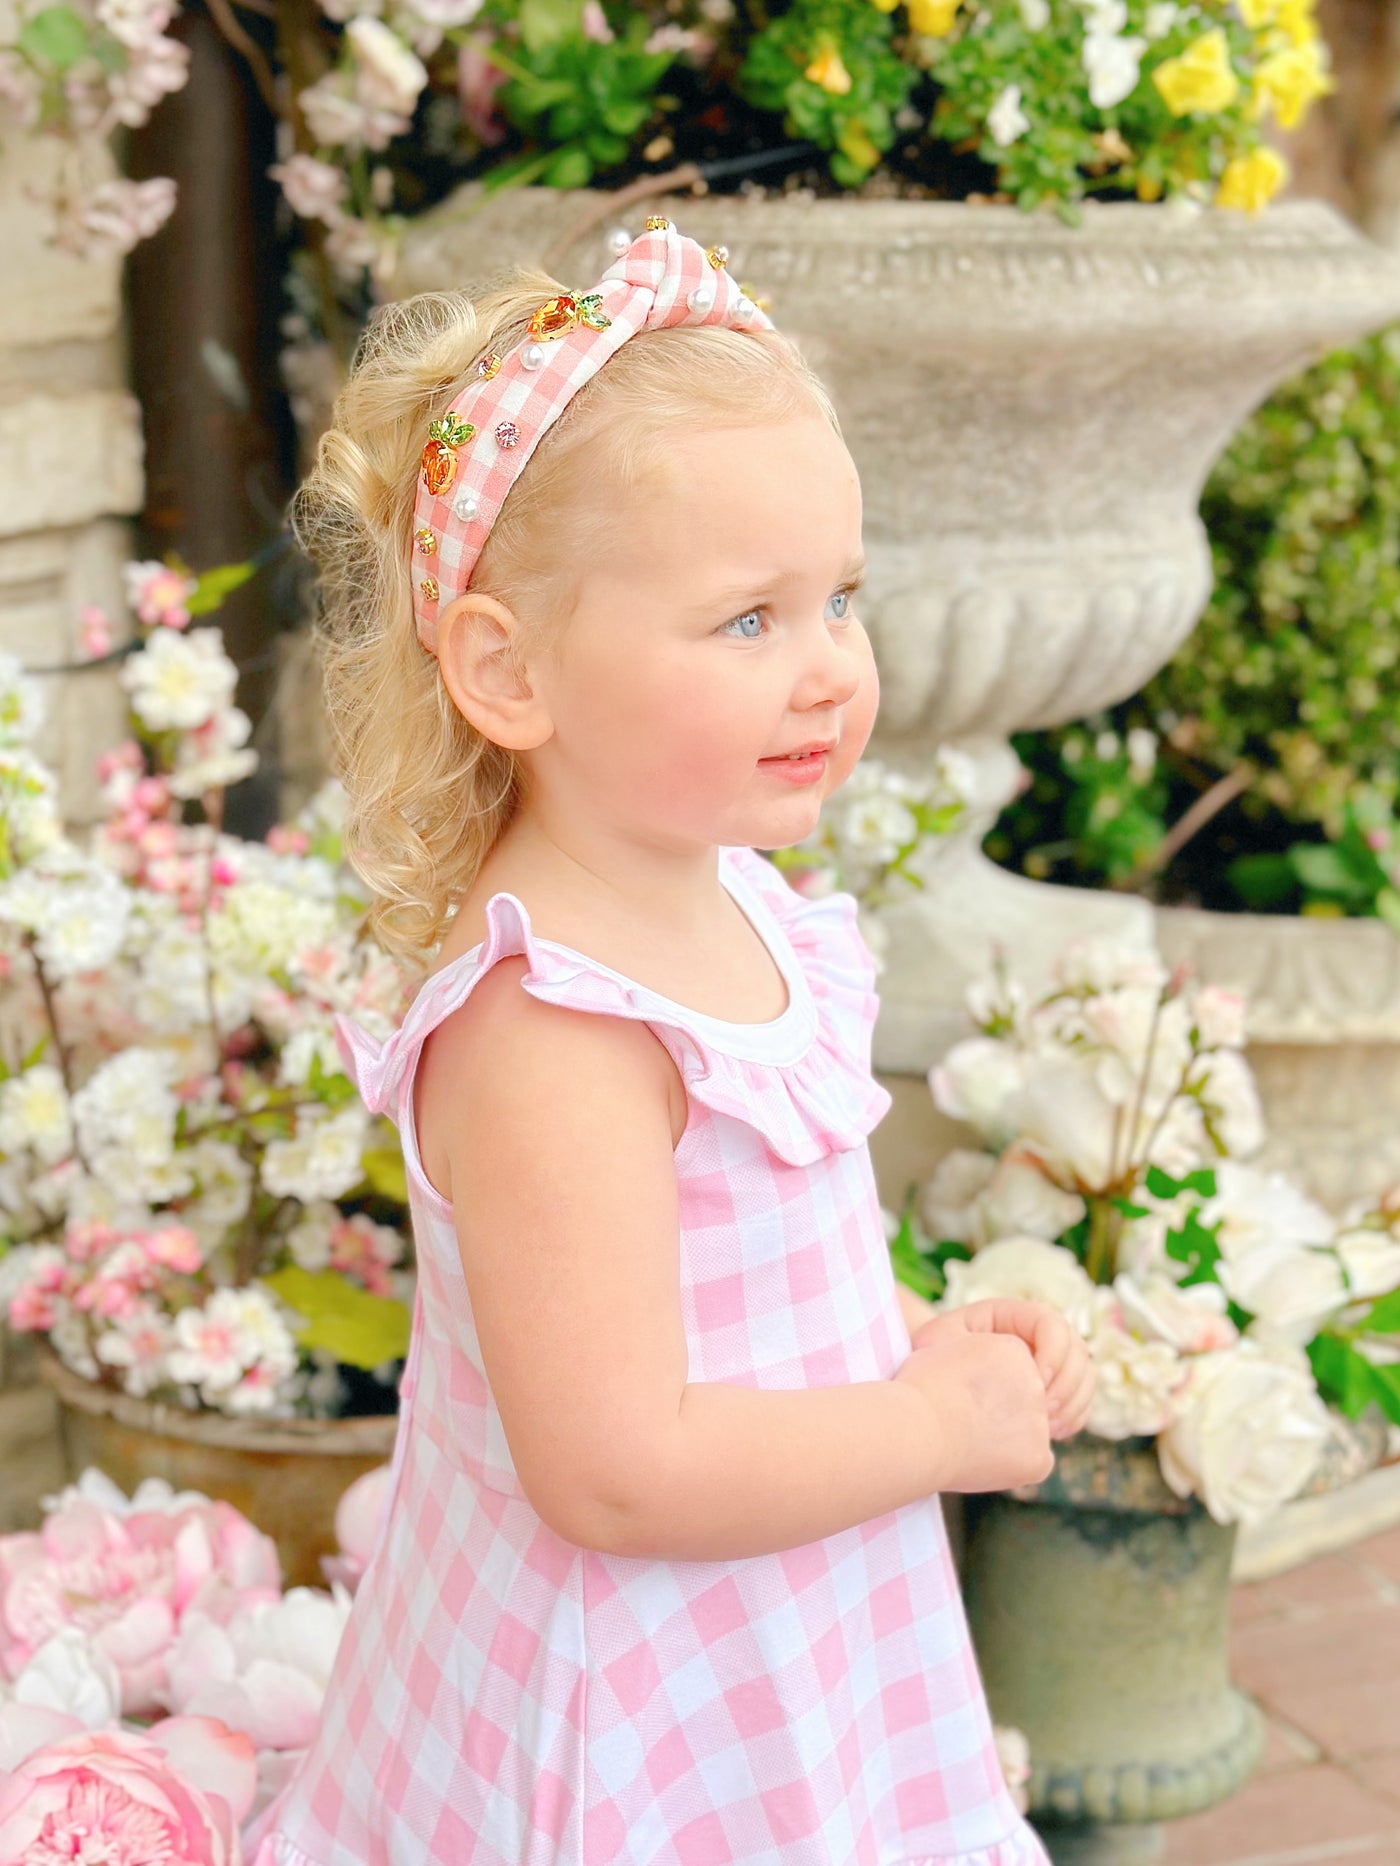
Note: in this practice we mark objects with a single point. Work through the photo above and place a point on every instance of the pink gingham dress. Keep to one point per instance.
(503, 1697)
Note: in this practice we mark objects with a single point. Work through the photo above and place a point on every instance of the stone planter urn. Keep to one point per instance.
(1098, 1603)
(1033, 410)
(285, 1475)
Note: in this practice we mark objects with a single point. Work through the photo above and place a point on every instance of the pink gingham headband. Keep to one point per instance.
(477, 450)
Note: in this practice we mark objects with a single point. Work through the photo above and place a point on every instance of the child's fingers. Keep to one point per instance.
(1075, 1409)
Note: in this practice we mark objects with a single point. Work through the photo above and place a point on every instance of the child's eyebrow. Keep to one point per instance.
(855, 568)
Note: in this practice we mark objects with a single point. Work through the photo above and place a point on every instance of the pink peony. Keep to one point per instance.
(126, 1582)
(171, 1796)
(359, 1517)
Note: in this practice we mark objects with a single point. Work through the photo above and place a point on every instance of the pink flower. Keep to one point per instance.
(282, 839)
(95, 630)
(364, 1250)
(126, 1582)
(175, 1247)
(158, 594)
(478, 81)
(171, 1796)
(359, 1517)
(595, 23)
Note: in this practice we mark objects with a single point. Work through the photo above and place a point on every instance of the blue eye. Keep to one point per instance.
(839, 596)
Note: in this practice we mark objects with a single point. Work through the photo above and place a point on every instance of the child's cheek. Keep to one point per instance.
(857, 723)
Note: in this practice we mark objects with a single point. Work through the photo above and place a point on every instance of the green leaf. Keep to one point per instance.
(360, 1329)
(1385, 1386)
(571, 168)
(1382, 1318)
(1323, 867)
(57, 37)
(1388, 907)
(1262, 880)
(623, 114)
(217, 583)
(543, 22)
(384, 1169)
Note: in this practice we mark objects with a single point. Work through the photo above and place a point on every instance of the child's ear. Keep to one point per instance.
(477, 640)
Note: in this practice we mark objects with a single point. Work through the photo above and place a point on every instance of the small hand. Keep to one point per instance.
(1059, 1350)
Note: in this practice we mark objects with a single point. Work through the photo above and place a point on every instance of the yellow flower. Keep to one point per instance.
(1290, 81)
(827, 70)
(853, 139)
(1148, 189)
(1257, 13)
(1199, 78)
(1296, 22)
(885, 6)
(1250, 181)
(933, 18)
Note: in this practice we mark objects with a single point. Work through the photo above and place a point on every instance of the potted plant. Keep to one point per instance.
(1247, 1346)
(1249, 790)
(200, 1219)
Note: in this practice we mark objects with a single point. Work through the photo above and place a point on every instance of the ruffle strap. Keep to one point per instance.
(822, 1101)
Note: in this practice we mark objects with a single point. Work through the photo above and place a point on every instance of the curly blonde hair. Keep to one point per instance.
(428, 794)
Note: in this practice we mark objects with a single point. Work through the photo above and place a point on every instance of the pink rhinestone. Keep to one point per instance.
(507, 434)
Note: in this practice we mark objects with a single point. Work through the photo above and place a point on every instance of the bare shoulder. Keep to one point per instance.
(505, 1049)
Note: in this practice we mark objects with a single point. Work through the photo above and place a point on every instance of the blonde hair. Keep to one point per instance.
(428, 795)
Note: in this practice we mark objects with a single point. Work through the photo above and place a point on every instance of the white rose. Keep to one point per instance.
(1289, 1292)
(948, 1199)
(389, 76)
(1254, 1208)
(69, 1673)
(1028, 1268)
(975, 1082)
(1371, 1260)
(1061, 1113)
(1135, 1381)
(1220, 1017)
(1249, 1433)
(1193, 1319)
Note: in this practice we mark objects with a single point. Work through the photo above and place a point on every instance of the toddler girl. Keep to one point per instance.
(663, 1580)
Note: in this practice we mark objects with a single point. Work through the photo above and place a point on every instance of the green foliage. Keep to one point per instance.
(214, 585)
(584, 100)
(1293, 667)
(850, 40)
(360, 1329)
(1348, 1380)
(918, 1261)
(1091, 810)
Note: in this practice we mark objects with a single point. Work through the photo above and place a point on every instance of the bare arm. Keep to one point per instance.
(914, 1307)
(564, 1189)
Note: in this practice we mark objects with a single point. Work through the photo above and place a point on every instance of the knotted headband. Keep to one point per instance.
(477, 450)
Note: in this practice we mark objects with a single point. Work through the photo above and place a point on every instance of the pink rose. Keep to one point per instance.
(359, 1516)
(171, 1796)
(126, 1582)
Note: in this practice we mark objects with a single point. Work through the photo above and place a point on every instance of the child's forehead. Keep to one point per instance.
(797, 473)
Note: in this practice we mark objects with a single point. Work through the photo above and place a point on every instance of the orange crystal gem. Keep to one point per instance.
(555, 316)
(439, 466)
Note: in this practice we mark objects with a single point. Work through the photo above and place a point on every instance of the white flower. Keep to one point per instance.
(1113, 65)
(225, 1189)
(1006, 120)
(1224, 1085)
(388, 75)
(1025, 1267)
(68, 1672)
(324, 1160)
(309, 1239)
(179, 680)
(29, 808)
(1371, 1260)
(1035, 14)
(1099, 964)
(1254, 1209)
(1249, 1433)
(1160, 18)
(125, 1117)
(214, 755)
(873, 828)
(1142, 752)
(316, 190)
(974, 1199)
(76, 909)
(236, 1348)
(1192, 1318)
(137, 1343)
(34, 1114)
(1290, 1292)
(1220, 1017)
(266, 1670)
(21, 703)
(1135, 1381)
(975, 1083)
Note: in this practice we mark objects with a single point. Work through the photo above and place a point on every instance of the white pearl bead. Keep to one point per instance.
(744, 307)
(465, 505)
(619, 240)
(702, 297)
(532, 356)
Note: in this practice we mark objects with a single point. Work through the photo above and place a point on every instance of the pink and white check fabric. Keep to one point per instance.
(503, 1697)
(649, 287)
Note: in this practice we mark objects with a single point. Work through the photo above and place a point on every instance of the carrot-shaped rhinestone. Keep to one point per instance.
(439, 459)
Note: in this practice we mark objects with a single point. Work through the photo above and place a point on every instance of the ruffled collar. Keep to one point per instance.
(802, 1079)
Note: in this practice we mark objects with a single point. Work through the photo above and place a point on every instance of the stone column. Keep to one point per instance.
(70, 464)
